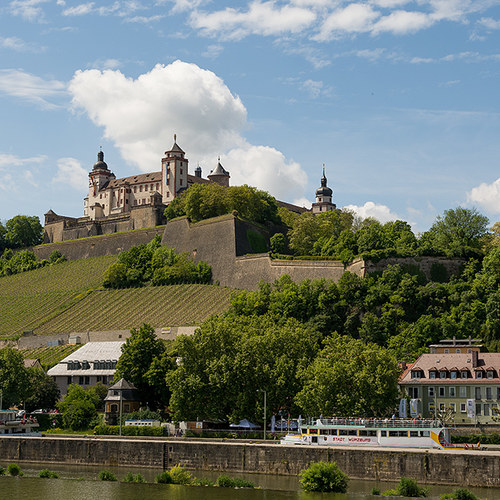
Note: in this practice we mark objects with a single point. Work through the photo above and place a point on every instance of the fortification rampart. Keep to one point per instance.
(109, 244)
(477, 468)
(225, 243)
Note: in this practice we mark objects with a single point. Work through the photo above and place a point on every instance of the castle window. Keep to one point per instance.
(168, 194)
(157, 186)
(140, 188)
(180, 182)
(126, 201)
(100, 196)
(146, 187)
(151, 187)
(135, 189)
(181, 171)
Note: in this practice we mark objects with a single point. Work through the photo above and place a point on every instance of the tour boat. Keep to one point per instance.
(416, 433)
(12, 424)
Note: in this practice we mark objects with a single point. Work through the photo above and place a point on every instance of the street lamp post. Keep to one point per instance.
(265, 402)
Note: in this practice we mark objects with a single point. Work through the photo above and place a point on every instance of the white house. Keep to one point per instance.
(93, 362)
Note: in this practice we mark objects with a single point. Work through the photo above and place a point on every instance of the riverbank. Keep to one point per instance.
(477, 467)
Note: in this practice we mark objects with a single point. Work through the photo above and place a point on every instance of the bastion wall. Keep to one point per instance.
(224, 243)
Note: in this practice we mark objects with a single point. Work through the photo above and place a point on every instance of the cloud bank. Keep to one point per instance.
(141, 115)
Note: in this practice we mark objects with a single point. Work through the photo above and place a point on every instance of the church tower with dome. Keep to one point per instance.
(323, 197)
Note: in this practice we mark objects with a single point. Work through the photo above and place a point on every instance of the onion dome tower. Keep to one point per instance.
(323, 197)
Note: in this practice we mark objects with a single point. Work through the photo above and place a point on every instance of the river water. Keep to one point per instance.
(81, 482)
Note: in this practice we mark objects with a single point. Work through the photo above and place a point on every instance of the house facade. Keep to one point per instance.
(94, 362)
(457, 378)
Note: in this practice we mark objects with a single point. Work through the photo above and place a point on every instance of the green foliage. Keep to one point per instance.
(133, 478)
(180, 475)
(407, 487)
(106, 475)
(460, 494)
(46, 473)
(155, 265)
(324, 477)
(2, 471)
(79, 407)
(438, 273)
(204, 201)
(225, 481)
(277, 243)
(163, 478)
(227, 359)
(145, 363)
(459, 231)
(43, 391)
(23, 231)
(375, 491)
(349, 377)
(129, 430)
(257, 241)
(14, 470)
(14, 380)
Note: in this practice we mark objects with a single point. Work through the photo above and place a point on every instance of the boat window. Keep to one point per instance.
(413, 434)
(383, 434)
(353, 432)
(393, 433)
(313, 431)
(343, 432)
(363, 433)
(324, 432)
(403, 434)
(372, 433)
(425, 434)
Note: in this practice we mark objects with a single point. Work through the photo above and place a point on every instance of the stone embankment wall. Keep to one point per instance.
(476, 468)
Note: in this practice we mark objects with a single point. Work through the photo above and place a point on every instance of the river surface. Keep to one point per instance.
(80, 482)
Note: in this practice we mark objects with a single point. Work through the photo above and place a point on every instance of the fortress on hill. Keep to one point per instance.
(136, 202)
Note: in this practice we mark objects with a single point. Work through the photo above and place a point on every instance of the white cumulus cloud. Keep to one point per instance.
(70, 171)
(487, 196)
(402, 22)
(261, 18)
(376, 210)
(141, 115)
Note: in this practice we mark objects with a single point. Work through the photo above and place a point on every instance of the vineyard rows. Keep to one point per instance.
(172, 305)
(26, 312)
(49, 356)
(75, 275)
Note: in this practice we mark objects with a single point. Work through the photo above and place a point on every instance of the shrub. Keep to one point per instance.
(163, 478)
(229, 482)
(407, 487)
(2, 471)
(460, 494)
(375, 491)
(106, 475)
(201, 481)
(180, 475)
(14, 470)
(133, 478)
(46, 473)
(324, 477)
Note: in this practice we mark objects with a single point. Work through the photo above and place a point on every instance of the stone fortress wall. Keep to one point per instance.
(224, 244)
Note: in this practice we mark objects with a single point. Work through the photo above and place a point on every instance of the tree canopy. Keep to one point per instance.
(21, 231)
(203, 201)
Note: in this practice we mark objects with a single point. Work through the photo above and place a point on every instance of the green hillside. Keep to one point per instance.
(68, 298)
(50, 356)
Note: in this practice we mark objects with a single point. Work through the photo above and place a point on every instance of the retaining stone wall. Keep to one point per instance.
(469, 468)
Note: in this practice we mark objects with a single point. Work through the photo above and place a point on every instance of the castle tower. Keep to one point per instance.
(323, 197)
(99, 178)
(174, 173)
(219, 175)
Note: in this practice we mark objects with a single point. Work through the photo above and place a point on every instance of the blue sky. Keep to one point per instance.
(399, 99)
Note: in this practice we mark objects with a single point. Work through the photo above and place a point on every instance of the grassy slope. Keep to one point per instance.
(66, 298)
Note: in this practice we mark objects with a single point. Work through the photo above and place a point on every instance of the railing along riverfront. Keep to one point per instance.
(375, 422)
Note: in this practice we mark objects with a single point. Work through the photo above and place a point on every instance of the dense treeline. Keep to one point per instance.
(458, 232)
(25, 260)
(202, 201)
(21, 231)
(156, 265)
